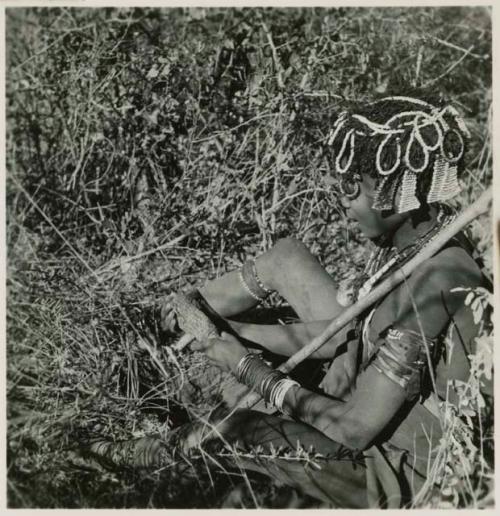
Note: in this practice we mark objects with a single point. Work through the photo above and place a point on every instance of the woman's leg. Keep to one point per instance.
(289, 268)
(292, 270)
(338, 475)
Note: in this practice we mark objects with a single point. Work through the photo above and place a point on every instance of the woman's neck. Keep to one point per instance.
(413, 227)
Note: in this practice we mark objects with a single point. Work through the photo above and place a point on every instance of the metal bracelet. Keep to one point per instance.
(271, 384)
(278, 396)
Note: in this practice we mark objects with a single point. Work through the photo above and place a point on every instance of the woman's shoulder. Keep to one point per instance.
(432, 294)
(453, 266)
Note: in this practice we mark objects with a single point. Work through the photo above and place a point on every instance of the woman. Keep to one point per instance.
(375, 415)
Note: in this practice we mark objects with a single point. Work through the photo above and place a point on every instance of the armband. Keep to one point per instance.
(403, 358)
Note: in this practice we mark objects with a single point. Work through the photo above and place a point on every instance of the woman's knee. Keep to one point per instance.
(286, 254)
(290, 246)
(289, 252)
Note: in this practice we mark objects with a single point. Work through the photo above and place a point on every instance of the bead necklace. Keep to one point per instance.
(380, 255)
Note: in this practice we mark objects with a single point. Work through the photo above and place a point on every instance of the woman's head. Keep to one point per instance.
(396, 155)
(358, 207)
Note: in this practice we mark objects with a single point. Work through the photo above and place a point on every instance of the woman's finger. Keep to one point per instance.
(166, 321)
(168, 317)
(228, 338)
(206, 344)
(196, 345)
(165, 313)
(166, 304)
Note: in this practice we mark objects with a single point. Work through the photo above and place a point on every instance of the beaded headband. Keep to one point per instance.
(415, 147)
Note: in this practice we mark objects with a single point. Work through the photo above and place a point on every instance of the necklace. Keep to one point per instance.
(374, 273)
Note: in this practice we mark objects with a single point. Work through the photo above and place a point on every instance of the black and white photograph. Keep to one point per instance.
(250, 256)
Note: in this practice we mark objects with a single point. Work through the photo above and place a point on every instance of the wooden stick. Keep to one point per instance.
(480, 206)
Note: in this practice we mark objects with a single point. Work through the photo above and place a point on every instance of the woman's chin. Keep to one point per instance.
(371, 233)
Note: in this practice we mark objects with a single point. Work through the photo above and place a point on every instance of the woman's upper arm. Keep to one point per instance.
(426, 301)
(373, 404)
(354, 423)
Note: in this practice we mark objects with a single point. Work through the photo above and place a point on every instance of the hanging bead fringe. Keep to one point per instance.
(444, 181)
(385, 193)
(407, 194)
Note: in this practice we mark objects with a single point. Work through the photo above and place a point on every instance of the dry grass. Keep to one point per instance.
(151, 149)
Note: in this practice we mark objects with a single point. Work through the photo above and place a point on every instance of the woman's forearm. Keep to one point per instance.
(288, 339)
(311, 408)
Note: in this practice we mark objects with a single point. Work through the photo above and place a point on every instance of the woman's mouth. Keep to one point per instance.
(350, 214)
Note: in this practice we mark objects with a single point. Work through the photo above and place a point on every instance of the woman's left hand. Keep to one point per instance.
(226, 351)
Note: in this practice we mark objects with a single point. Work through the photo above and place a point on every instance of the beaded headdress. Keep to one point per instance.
(413, 152)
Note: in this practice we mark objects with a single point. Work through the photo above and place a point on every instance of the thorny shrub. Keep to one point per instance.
(149, 149)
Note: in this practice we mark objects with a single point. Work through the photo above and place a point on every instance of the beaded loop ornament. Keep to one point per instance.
(410, 146)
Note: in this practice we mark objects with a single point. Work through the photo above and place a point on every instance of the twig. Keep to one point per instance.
(48, 47)
(276, 60)
(54, 227)
(319, 93)
(419, 65)
(449, 69)
(456, 47)
(234, 128)
(111, 265)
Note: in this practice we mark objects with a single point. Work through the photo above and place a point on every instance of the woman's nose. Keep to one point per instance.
(345, 202)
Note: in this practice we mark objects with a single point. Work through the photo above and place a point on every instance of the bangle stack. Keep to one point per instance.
(251, 282)
(271, 384)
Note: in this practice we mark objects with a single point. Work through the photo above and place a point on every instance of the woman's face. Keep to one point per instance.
(373, 223)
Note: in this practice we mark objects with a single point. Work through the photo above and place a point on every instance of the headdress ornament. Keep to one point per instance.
(413, 147)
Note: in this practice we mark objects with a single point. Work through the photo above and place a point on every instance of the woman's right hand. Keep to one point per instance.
(168, 318)
(225, 350)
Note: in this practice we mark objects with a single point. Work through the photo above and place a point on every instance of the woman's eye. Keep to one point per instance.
(350, 189)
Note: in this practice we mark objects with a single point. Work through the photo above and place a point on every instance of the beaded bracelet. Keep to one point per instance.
(251, 282)
(258, 280)
(247, 288)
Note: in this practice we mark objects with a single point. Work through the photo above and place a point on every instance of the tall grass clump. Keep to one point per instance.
(150, 149)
